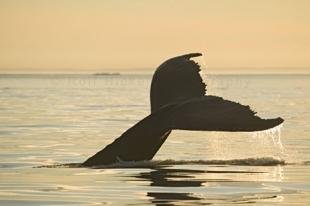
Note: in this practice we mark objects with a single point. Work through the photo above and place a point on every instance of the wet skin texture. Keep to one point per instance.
(179, 101)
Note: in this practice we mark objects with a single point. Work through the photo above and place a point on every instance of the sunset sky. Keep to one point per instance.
(94, 35)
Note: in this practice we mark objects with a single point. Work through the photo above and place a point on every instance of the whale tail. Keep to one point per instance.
(178, 101)
(176, 80)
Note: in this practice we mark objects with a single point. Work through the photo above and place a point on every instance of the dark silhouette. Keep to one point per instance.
(169, 177)
(179, 101)
(161, 177)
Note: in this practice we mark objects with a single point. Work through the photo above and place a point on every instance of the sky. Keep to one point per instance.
(97, 35)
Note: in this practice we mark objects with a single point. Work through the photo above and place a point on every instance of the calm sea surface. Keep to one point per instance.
(59, 119)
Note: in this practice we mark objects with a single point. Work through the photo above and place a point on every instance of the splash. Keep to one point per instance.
(261, 161)
(274, 133)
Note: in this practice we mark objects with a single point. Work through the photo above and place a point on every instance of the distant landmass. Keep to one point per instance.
(106, 73)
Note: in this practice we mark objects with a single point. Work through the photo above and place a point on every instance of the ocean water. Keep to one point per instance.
(48, 121)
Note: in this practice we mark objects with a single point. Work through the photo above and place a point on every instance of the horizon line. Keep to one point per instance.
(149, 67)
(148, 73)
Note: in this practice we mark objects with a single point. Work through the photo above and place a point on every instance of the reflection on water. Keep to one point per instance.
(198, 186)
(164, 198)
(187, 184)
(172, 178)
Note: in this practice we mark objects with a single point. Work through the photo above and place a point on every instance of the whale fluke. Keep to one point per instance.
(176, 80)
(212, 113)
(179, 101)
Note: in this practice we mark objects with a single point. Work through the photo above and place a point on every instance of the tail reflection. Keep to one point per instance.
(168, 177)
(178, 186)
(172, 178)
(160, 198)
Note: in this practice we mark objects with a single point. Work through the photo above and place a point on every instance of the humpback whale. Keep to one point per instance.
(179, 101)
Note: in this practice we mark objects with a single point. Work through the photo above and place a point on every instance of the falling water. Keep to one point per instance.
(274, 133)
